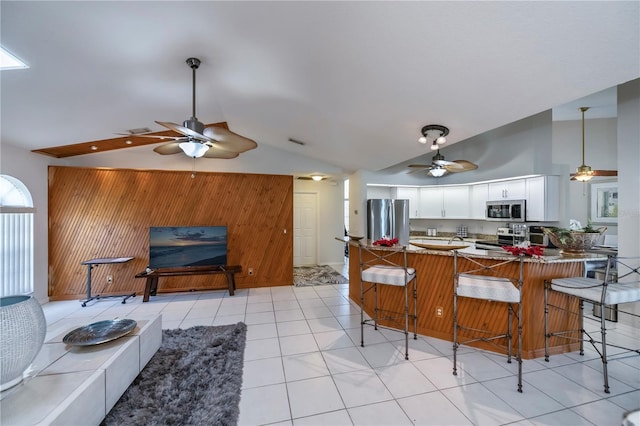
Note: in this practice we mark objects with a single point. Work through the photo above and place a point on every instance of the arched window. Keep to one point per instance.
(16, 228)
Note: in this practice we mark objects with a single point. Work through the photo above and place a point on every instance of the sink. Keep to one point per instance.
(440, 244)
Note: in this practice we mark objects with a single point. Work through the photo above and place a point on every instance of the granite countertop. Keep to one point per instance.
(550, 255)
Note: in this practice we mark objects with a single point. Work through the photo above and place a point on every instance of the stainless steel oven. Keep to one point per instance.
(537, 237)
(506, 210)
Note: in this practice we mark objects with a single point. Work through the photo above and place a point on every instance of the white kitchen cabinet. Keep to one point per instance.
(543, 198)
(478, 197)
(374, 192)
(449, 202)
(514, 189)
(431, 202)
(411, 194)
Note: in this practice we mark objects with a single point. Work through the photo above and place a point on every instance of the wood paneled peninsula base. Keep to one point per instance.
(435, 290)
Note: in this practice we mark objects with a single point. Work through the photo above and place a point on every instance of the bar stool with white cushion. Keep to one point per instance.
(604, 292)
(380, 269)
(473, 284)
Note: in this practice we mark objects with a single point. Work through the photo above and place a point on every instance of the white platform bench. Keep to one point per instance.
(73, 385)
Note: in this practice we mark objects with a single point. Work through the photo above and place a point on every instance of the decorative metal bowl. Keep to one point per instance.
(574, 242)
(99, 332)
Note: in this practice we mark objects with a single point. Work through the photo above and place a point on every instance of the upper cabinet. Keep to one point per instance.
(411, 194)
(542, 194)
(478, 197)
(514, 189)
(448, 202)
(543, 198)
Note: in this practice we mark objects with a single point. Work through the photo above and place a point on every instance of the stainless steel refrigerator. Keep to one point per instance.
(388, 218)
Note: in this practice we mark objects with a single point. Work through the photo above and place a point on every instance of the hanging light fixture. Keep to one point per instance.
(438, 172)
(435, 131)
(583, 172)
(194, 149)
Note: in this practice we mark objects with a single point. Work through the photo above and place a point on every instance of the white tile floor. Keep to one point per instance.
(303, 365)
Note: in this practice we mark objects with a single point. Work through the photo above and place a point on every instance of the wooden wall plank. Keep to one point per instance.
(108, 212)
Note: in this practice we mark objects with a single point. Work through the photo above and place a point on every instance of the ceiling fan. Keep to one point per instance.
(439, 166)
(200, 141)
(583, 172)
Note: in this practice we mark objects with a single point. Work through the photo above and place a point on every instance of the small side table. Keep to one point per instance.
(103, 261)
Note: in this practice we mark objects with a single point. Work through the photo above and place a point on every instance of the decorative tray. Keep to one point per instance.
(99, 332)
(439, 246)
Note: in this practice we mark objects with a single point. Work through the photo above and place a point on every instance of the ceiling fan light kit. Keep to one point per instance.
(438, 172)
(193, 149)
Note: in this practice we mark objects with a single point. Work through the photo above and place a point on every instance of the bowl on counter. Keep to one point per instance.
(355, 238)
(440, 244)
(573, 242)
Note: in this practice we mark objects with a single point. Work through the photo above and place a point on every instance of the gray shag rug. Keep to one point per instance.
(316, 275)
(194, 379)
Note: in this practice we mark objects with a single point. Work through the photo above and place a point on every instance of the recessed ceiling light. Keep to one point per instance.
(94, 148)
(9, 61)
(128, 142)
(317, 178)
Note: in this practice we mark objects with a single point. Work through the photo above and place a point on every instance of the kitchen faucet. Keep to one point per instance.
(455, 237)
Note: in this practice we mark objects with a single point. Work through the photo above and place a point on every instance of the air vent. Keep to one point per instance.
(139, 131)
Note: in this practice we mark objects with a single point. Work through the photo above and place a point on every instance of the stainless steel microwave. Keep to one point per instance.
(506, 210)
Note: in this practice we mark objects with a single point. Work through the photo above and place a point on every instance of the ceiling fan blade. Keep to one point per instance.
(218, 153)
(174, 138)
(168, 148)
(447, 164)
(605, 173)
(185, 131)
(228, 141)
(461, 166)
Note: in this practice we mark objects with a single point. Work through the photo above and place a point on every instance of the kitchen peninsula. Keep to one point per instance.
(434, 270)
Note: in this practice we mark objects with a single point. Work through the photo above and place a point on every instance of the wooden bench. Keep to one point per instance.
(151, 286)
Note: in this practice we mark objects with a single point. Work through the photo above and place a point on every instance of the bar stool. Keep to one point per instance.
(480, 282)
(603, 292)
(380, 269)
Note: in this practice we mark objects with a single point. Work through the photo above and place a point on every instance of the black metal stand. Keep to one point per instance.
(102, 261)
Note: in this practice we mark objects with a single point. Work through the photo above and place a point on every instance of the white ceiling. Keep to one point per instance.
(354, 80)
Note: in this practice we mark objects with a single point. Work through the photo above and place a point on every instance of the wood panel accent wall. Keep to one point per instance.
(435, 289)
(97, 213)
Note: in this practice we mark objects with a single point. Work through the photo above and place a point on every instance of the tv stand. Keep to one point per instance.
(151, 287)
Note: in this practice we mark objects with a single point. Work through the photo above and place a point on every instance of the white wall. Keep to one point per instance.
(600, 153)
(31, 169)
(629, 179)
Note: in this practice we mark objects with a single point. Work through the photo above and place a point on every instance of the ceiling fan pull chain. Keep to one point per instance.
(193, 169)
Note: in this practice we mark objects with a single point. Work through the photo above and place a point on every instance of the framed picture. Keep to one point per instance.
(604, 202)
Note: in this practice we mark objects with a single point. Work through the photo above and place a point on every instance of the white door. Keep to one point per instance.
(304, 229)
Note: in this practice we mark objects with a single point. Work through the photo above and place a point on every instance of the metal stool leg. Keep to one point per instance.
(546, 321)
(603, 329)
(415, 309)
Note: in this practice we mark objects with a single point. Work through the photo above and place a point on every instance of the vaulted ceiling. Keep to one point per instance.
(355, 81)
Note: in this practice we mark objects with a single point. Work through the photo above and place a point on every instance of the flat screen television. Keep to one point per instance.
(182, 246)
